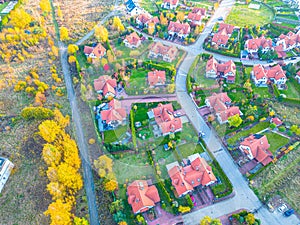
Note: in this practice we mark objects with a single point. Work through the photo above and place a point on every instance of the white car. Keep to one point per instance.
(282, 208)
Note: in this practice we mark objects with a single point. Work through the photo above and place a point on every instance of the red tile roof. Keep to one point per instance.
(220, 39)
(225, 68)
(144, 17)
(156, 76)
(256, 43)
(217, 101)
(172, 2)
(259, 72)
(98, 51)
(280, 51)
(114, 113)
(154, 20)
(185, 178)
(225, 29)
(133, 38)
(197, 14)
(159, 48)
(225, 114)
(141, 197)
(276, 120)
(181, 28)
(106, 84)
(259, 148)
(290, 39)
(165, 119)
(275, 72)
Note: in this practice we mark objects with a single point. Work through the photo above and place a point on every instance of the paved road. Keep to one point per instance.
(244, 196)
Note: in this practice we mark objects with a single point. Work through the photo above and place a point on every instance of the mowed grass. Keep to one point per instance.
(262, 91)
(241, 16)
(258, 127)
(276, 141)
(137, 80)
(292, 90)
(190, 149)
(114, 135)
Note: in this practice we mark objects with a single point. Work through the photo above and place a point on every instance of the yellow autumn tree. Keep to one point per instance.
(110, 185)
(69, 177)
(61, 120)
(117, 24)
(151, 28)
(45, 6)
(51, 154)
(163, 20)
(56, 190)
(60, 213)
(52, 173)
(180, 16)
(101, 33)
(80, 221)
(72, 59)
(70, 151)
(49, 130)
(64, 34)
(19, 18)
(59, 12)
(72, 49)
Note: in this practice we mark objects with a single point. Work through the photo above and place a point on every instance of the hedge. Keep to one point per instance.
(133, 129)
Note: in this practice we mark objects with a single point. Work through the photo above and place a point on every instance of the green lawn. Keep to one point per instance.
(137, 81)
(2, 6)
(148, 5)
(292, 91)
(190, 149)
(258, 127)
(262, 91)
(237, 96)
(131, 166)
(276, 141)
(241, 16)
(199, 76)
(114, 135)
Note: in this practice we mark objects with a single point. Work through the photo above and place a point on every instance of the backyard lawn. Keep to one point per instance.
(262, 91)
(137, 81)
(293, 89)
(199, 76)
(258, 127)
(190, 149)
(241, 16)
(276, 141)
(148, 5)
(114, 135)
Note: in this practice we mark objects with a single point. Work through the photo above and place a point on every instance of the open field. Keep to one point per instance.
(81, 16)
(281, 178)
(241, 16)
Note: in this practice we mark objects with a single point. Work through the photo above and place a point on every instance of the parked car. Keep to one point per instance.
(270, 61)
(220, 18)
(282, 208)
(201, 134)
(289, 212)
(293, 58)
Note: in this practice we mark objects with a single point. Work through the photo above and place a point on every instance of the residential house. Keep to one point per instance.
(262, 76)
(144, 19)
(6, 167)
(168, 53)
(132, 8)
(253, 45)
(276, 121)
(156, 78)
(181, 30)
(96, 52)
(164, 117)
(225, 70)
(105, 85)
(220, 104)
(132, 40)
(256, 147)
(196, 16)
(223, 34)
(114, 115)
(186, 178)
(297, 77)
(169, 4)
(289, 41)
(142, 196)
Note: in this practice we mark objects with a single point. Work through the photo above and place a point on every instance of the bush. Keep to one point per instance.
(282, 129)
(40, 113)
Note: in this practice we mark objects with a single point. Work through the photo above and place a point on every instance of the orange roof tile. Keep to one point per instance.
(220, 39)
(106, 84)
(218, 101)
(259, 148)
(159, 48)
(133, 38)
(156, 76)
(141, 197)
(231, 111)
(256, 43)
(182, 28)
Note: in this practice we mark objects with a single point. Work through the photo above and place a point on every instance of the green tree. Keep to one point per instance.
(235, 121)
